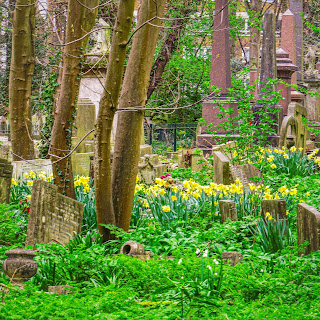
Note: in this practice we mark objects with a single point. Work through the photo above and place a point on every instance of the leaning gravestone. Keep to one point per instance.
(228, 210)
(246, 173)
(37, 166)
(5, 180)
(52, 215)
(308, 226)
(276, 207)
(221, 168)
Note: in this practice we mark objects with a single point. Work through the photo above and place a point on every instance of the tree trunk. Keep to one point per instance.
(107, 109)
(80, 21)
(131, 107)
(21, 71)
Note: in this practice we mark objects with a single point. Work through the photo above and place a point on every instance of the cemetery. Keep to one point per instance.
(160, 159)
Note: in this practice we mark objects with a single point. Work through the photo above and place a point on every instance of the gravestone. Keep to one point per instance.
(222, 173)
(220, 77)
(84, 123)
(308, 226)
(150, 168)
(6, 169)
(37, 166)
(246, 173)
(52, 215)
(276, 207)
(228, 210)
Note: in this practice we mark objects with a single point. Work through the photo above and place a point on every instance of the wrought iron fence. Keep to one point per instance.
(171, 135)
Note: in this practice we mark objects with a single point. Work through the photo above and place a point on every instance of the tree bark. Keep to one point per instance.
(80, 21)
(131, 107)
(21, 71)
(108, 105)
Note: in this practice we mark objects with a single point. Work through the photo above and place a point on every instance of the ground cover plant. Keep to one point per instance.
(178, 219)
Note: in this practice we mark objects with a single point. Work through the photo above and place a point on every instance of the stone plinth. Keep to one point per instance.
(285, 69)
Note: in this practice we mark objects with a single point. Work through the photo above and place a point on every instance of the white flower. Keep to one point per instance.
(215, 261)
(180, 261)
(209, 267)
(197, 251)
(215, 274)
(261, 270)
(205, 254)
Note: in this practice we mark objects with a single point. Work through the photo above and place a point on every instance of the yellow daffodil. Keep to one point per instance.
(86, 189)
(196, 195)
(252, 187)
(26, 175)
(174, 198)
(29, 197)
(293, 192)
(285, 156)
(14, 182)
(185, 196)
(30, 183)
(162, 192)
(293, 149)
(165, 208)
(273, 166)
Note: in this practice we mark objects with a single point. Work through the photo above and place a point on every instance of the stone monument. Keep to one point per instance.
(276, 207)
(37, 166)
(52, 215)
(220, 77)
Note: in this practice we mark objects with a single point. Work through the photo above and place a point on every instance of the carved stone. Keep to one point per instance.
(222, 173)
(233, 256)
(135, 249)
(52, 215)
(20, 265)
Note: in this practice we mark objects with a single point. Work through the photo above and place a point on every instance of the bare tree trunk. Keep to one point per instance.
(21, 71)
(168, 47)
(131, 107)
(108, 105)
(80, 21)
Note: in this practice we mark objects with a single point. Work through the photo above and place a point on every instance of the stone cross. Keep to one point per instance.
(5, 180)
(296, 7)
(308, 226)
(52, 215)
(228, 210)
(276, 207)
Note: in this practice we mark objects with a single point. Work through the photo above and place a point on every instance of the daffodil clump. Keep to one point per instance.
(167, 202)
(292, 162)
(82, 183)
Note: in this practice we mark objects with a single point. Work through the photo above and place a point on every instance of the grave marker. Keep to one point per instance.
(246, 173)
(5, 180)
(52, 215)
(221, 168)
(276, 207)
(37, 166)
(308, 226)
(228, 210)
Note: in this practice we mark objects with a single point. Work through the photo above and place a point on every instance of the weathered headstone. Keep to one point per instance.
(6, 169)
(246, 173)
(52, 215)
(84, 123)
(222, 173)
(228, 210)
(37, 166)
(308, 226)
(276, 207)
(150, 168)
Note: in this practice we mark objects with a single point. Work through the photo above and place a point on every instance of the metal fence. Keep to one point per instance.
(172, 135)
